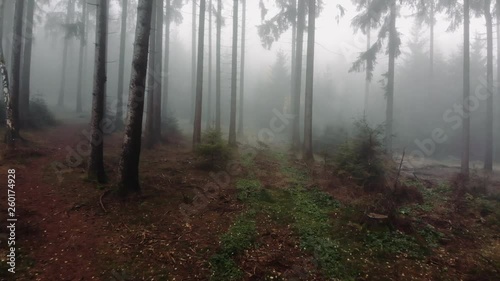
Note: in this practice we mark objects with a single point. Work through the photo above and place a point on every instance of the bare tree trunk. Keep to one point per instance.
(158, 72)
(242, 66)
(466, 89)
(431, 50)
(83, 42)
(12, 132)
(166, 59)
(26, 69)
(69, 18)
(10, 123)
(209, 95)
(308, 113)
(390, 80)
(131, 148)
(498, 61)
(218, 67)
(148, 132)
(2, 10)
(301, 15)
(294, 51)
(199, 78)
(367, 75)
(96, 160)
(193, 60)
(234, 72)
(121, 67)
(488, 160)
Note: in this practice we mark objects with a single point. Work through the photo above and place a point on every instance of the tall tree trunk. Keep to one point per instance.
(96, 161)
(209, 94)
(166, 59)
(390, 79)
(131, 148)
(431, 49)
(2, 10)
(26, 69)
(148, 132)
(466, 94)
(367, 74)
(12, 132)
(234, 72)
(498, 60)
(158, 72)
(308, 113)
(199, 77)
(242, 66)
(218, 67)
(294, 51)
(488, 159)
(69, 18)
(121, 67)
(11, 128)
(193, 60)
(83, 43)
(301, 19)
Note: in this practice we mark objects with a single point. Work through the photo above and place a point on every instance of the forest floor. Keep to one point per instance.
(267, 217)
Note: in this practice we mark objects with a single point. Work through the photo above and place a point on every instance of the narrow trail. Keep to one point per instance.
(60, 241)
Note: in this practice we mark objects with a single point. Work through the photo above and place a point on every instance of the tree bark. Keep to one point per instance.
(10, 123)
(199, 78)
(96, 161)
(308, 113)
(390, 79)
(431, 50)
(26, 69)
(488, 159)
(2, 10)
(131, 148)
(294, 56)
(498, 60)
(193, 60)
(69, 18)
(367, 74)
(209, 94)
(242, 67)
(12, 132)
(158, 72)
(466, 93)
(234, 72)
(148, 132)
(301, 15)
(121, 67)
(166, 59)
(218, 67)
(83, 43)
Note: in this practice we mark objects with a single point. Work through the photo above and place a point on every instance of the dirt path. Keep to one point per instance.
(59, 241)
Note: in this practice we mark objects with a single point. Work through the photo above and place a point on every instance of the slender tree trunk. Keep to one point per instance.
(96, 161)
(390, 79)
(301, 15)
(218, 67)
(11, 128)
(83, 42)
(166, 59)
(158, 72)
(199, 77)
(242, 66)
(121, 67)
(193, 60)
(131, 148)
(26, 69)
(234, 72)
(294, 56)
(209, 96)
(2, 10)
(488, 160)
(431, 50)
(148, 132)
(498, 59)
(466, 89)
(367, 75)
(308, 113)
(69, 18)
(12, 132)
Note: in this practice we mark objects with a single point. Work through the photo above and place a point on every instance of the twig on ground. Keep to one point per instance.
(100, 199)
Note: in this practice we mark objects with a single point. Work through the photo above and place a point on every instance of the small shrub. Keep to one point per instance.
(171, 127)
(214, 151)
(362, 158)
(40, 115)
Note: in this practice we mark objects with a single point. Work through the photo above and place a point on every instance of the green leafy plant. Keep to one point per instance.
(214, 151)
